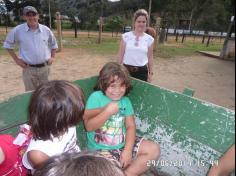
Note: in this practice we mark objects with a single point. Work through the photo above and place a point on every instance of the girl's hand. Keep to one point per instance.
(112, 108)
(125, 158)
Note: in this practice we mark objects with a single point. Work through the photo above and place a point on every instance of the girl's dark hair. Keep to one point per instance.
(79, 164)
(54, 107)
(107, 76)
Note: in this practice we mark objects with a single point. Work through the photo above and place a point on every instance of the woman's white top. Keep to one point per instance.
(136, 51)
(65, 143)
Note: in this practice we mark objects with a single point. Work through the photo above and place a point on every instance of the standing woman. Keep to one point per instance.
(136, 49)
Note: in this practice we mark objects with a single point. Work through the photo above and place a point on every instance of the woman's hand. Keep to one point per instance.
(150, 75)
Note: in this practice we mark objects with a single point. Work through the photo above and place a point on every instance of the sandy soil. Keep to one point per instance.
(212, 79)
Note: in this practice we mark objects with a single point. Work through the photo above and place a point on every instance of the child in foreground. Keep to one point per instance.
(110, 124)
(79, 164)
(10, 158)
(55, 109)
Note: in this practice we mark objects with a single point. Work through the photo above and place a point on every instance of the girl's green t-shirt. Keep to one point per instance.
(112, 134)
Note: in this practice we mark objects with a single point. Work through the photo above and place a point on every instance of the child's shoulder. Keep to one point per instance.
(97, 94)
(125, 99)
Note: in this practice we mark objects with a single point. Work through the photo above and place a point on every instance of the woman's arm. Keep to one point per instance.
(150, 63)
(95, 118)
(121, 52)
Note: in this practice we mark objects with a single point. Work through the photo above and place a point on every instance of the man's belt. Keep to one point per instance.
(38, 65)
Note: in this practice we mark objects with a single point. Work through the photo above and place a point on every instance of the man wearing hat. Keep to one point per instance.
(37, 48)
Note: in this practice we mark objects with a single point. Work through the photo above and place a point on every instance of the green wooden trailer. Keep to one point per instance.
(192, 133)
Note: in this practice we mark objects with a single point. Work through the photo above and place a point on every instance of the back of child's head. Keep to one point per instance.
(79, 164)
(151, 31)
(112, 72)
(54, 107)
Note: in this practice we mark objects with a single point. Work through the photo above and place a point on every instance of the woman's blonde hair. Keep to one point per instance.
(140, 12)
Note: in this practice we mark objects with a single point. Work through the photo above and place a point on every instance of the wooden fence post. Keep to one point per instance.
(183, 38)
(100, 30)
(203, 39)
(157, 27)
(208, 40)
(76, 30)
(177, 37)
(225, 51)
(167, 31)
(59, 32)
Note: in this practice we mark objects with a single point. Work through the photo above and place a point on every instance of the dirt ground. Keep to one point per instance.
(212, 79)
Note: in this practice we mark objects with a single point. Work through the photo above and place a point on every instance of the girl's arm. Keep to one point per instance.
(36, 158)
(150, 62)
(126, 156)
(91, 113)
(121, 52)
(95, 118)
(130, 133)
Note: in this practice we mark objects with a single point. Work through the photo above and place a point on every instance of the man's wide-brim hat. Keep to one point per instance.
(28, 9)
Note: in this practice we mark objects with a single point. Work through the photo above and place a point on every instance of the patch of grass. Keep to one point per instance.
(2, 50)
(107, 45)
(184, 49)
(110, 45)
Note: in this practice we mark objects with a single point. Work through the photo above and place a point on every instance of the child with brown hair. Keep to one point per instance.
(79, 164)
(55, 109)
(151, 31)
(110, 124)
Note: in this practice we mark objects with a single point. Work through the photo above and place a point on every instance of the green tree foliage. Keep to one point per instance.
(3, 9)
(213, 16)
(202, 14)
(17, 5)
(115, 24)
